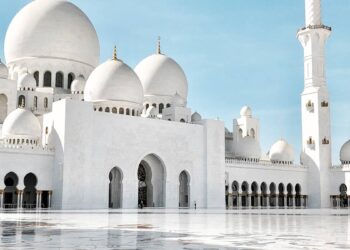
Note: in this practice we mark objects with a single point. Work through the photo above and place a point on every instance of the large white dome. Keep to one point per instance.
(345, 153)
(162, 76)
(114, 81)
(52, 29)
(248, 148)
(21, 123)
(281, 151)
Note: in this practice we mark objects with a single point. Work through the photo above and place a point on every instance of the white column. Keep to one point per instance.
(230, 201)
(268, 201)
(259, 201)
(37, 199)
(293, 201)
(50, 194)
(40, 195)
(239, 201)
(249, 201)
(1, 198)
(313, 12)
(285, 201)
(18, 199)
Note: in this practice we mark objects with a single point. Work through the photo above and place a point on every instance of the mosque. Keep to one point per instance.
(77, 134)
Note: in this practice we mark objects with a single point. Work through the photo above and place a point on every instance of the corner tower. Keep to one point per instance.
(316, 125)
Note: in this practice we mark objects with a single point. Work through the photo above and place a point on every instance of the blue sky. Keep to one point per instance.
(234, 53)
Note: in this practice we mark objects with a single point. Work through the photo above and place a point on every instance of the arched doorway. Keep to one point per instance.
(10, 192)
(272, 195)
(254, 195)
(151, 176)
(289, 195)
(245, 187)
(235, 193)
(115, 190)
(3, 108)
(29, 192)
(343, 195)
(263, 198)
(297, 195)
(184, 189)
(280, 195)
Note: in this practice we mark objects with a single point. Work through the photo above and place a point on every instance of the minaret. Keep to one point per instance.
(316, 124)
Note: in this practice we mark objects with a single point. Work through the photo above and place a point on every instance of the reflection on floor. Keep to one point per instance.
(176, 229)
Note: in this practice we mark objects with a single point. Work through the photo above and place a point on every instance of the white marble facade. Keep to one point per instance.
(87, 135)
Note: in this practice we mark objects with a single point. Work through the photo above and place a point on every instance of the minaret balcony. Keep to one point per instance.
(316, 26)
(310, 106)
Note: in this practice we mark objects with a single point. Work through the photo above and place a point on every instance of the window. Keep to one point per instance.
(168, 105)
(114, 110)
(182, 120)
(36, 77)
(154, 105)
(107, 110)
(121, 111)
(161, 107)
(46, 103)
(133, 112)
(21, 101)
(47, 79)
(128, 111)
(59, 80)
(70, 79)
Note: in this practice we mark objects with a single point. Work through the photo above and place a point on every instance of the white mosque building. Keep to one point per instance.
(77, 134)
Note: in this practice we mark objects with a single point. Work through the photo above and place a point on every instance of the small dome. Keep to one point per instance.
(78, 85)
(21, 123)
(4, 72)
(58, 29)
(26, 81)
(162, 76)
(248, 148)
(345, 153)
(246, 111)
(114, 81)
(281, 151)
(196, 117)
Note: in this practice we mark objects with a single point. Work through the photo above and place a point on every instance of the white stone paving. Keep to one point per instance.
(175, 229)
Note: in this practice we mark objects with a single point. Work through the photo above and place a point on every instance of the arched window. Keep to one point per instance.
(70, 79)
(182, 120)
(154, 105)
(107, 110)
(21, 101)
(168, 105)
(133, 112)
(114, 110)
(36, 77)
(35, 101)
(252, 133)
(100, 109)
(121, 111)
(46, 102)
(128, 111)
(161, 107)
(59, 80)
(47, 79)
(147, 106)
(235, 186)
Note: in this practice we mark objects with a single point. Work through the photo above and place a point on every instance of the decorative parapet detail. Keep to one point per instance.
(324, 104)
(25, 148)
(233, 161)
(325, 141)
(310, 106)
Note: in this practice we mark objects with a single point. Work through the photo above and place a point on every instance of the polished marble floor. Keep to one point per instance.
(175, 229)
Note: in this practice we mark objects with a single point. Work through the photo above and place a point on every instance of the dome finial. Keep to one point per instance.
(158, 46)
(115, 53)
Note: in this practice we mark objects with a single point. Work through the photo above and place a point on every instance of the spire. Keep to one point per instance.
(313, 12)
(115, 53)
(158, 52)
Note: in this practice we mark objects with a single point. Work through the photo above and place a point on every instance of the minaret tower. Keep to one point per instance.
(316, 125)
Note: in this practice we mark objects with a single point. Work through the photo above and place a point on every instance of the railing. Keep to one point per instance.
(342, 166)
(261, 163)
(36, 148)
(316, 26)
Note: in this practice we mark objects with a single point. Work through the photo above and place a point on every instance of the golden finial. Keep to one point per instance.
(115, 53)
(158, 46)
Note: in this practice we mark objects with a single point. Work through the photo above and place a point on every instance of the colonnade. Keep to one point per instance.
(17, 201)
(340, 201)
(263, 201)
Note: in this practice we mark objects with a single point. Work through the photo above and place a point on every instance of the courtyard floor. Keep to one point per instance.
(176, 229)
